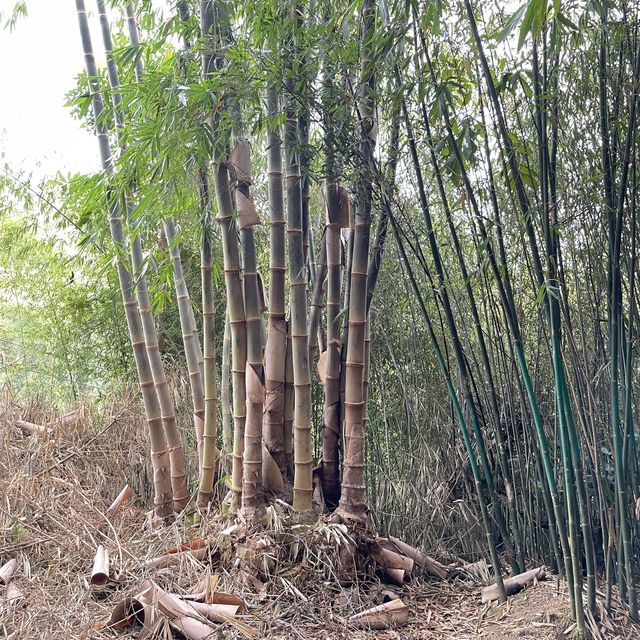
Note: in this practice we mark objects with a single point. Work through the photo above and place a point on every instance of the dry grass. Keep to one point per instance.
(56, 490)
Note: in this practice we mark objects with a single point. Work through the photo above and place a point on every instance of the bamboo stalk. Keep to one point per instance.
(458, 412)
(390, 614)
(300, 355)
(163, 499)
(276, 345)
(189, 334)
(210, 453)
(303, 462)
(353, 496)
(167, 410)
(225, 395)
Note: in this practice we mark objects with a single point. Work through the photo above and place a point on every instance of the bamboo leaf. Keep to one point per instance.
(533, 19)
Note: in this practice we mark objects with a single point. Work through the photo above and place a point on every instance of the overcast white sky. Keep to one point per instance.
(39, 61)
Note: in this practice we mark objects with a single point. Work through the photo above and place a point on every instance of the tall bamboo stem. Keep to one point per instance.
(276, 347)
(163, 498)
(167, 410)
(353, 496)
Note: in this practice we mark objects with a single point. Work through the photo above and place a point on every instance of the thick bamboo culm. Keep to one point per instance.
(210, 456)
(303, 462)
(235, 305)
(163, 494)
(167, 410)
(233, 281)
(331, 410)
(353, 496)
(276, 345)
(252, 493)
(289, 403)
(225, 396)
(191, 341)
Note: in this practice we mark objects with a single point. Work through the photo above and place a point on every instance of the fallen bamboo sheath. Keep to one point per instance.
(203, 589)
(127, 612)
(477, 569)
(14, 597)
(237, 529)
(170, 559)
(121, 498)
(396, 568)
(188, 617)
(390, 614)
(7, 570)
(181, 615)
(215, 612)
(100, 570)
(191, 545)
(512, 585)
(32, 429)
(394, 576)
(388, 595)
(217, 598)
(395, 560)
(68, 419)
(191, 628)
(224, 607)
(138, 609)
(429, 564)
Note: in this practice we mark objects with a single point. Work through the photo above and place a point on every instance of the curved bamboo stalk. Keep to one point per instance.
(383, 223)
(167, 410)
(314, 335)
(163, 498)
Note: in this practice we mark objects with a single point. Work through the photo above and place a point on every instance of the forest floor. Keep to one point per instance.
(55, 491)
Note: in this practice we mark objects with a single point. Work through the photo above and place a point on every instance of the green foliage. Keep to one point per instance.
(18, 12)
(61, 324)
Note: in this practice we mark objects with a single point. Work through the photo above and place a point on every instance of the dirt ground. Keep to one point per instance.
(55, 491)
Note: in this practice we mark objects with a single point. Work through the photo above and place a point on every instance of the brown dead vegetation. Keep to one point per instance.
(297, 579)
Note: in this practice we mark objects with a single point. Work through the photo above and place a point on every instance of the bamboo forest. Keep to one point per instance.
(319, 319)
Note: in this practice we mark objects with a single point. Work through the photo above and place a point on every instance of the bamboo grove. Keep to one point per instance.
(285, 141)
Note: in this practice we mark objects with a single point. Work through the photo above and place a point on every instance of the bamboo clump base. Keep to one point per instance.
(309, 576)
